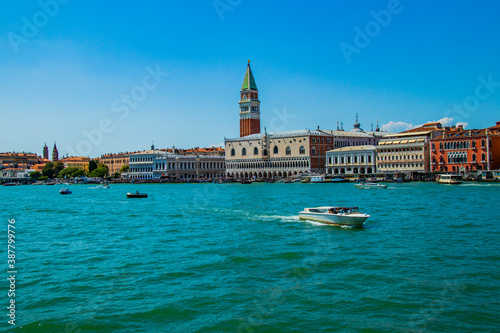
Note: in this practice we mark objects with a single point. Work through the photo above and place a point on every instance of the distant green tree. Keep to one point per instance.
(100, 165)
(35, 174)
(43, 178)
(78, 173)
(67, 172)
(125, 168)
(99, 172)
(116, 175)
(58, 167)
(92, 165)
(48, 170)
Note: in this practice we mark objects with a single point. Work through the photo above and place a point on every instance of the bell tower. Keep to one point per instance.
(55, 154)
(249, 105)
(46, 152)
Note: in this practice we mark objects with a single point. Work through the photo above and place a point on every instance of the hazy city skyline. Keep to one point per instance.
(98, 78)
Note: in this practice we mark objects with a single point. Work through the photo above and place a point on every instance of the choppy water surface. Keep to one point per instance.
(236, 258)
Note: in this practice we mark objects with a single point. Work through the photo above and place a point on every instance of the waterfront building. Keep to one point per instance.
(115, 162)
(160, 163)
(464, 151)
(408, 152)
(45, 152)
(55, 154)
(20, 160)
(279, 154)
(352, 160)
(17, 175)
(79, 162)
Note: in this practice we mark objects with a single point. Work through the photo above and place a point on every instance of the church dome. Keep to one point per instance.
(357, 126)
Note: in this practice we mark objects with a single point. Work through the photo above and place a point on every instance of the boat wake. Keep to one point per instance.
(282, 218)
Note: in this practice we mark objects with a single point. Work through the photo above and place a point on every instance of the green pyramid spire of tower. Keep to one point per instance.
(249, 81)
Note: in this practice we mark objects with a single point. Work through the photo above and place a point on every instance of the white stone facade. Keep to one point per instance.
(279, 154)
(156, 164)
(351, 160)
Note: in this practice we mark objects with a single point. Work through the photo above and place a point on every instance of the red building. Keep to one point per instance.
(249, 105)
(460, 150)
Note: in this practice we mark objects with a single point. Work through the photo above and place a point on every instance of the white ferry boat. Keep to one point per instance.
(341, 216)
(450, 179)
(368, 185)
(314, 179)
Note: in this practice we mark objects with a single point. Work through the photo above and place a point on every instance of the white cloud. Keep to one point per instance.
(396, 126)
(401, 126)
(446, 121)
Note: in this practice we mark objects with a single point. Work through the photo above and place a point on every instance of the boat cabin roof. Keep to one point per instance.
(333, 207)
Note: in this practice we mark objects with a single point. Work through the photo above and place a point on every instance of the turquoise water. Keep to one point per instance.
(235, 258)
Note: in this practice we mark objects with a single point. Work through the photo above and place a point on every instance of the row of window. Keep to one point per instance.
(336, 171)
(183, 176)
(400, 150)
(141, 159)
(398, 157)
(321, 140)
(268, 165)
(288, 151)
(181, 166)
(401, 165)
(113, 161)
(347, 160)
(341, 144)
(459, 158)
(460, 144)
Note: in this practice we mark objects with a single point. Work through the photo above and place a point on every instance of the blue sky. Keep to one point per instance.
(65, 67)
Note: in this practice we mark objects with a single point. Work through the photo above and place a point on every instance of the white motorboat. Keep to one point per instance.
(65, 191)
(370, 185)
(341, 216)
(137, 194)
(450, 179)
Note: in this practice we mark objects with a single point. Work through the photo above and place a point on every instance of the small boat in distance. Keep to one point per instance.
(246, 181)
(137, 194)
(450, 179)
(340, 216)
(313, 179)
(65, 191)
(370, 185)
(10, 184)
